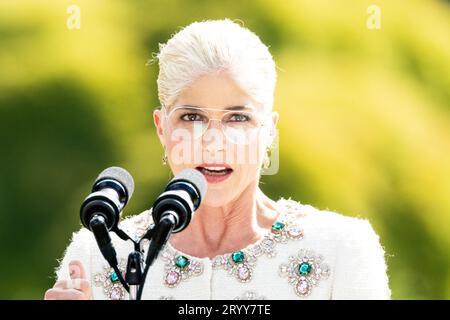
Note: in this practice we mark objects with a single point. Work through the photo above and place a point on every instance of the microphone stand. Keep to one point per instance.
(133, 276)
(160, 233)
(135, 273)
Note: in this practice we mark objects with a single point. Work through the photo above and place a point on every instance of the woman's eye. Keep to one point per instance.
(191, 117)
(239, 118)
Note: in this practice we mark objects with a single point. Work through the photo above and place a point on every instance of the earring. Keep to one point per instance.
(266, 161)
(165, 158)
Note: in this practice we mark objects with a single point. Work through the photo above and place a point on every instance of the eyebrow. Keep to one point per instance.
(229, 108)
(234, 108)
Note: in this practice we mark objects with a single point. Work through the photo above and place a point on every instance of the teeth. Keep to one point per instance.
(215, 168)
(214, 172)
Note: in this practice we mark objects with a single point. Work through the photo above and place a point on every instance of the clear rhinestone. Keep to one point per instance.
(295, 231)
(267, 244)
(256, 250)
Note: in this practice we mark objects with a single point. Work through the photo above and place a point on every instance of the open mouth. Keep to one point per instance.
(215, 173)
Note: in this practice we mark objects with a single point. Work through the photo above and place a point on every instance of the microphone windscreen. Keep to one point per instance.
(195, 177)
(119, 174)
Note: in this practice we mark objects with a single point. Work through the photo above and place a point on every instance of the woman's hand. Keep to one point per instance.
(77, 288)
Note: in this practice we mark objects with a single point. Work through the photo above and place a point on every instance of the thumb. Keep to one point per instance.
(76, 270)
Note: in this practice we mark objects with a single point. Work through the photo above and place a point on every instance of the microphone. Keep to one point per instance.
(172, 212)
(182, 196)
(100, 211)
(112, 190)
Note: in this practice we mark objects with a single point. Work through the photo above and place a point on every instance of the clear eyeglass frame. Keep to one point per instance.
(241, 134)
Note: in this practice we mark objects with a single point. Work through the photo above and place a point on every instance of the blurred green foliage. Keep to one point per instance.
(369, 110)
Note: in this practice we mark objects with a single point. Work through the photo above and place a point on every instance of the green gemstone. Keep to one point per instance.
(238, 256)
(182, 262)
(277, 226)
(114, 277)
(304, 268)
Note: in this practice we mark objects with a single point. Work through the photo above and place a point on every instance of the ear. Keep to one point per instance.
(158, 120)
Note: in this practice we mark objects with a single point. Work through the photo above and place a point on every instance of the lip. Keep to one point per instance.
(215, 179)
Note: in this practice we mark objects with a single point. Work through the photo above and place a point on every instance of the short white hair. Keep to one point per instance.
(216, 45)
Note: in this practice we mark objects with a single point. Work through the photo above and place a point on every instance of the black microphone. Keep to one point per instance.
(100, 211)
(112, 190)
(173, 211)
(180, 199)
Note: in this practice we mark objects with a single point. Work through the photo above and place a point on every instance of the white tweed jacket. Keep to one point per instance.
(307, 254)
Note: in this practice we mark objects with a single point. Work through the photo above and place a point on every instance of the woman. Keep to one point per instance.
(216, 86)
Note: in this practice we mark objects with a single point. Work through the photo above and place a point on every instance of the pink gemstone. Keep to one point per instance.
(302, 287)
(172, 277)
(243, 273)
(116, 294)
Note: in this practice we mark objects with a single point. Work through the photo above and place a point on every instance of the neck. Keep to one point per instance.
(217, 230)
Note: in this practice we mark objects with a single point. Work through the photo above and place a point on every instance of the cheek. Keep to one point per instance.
(245, 156)
(247, 168)
(246, 173)
(182, 153)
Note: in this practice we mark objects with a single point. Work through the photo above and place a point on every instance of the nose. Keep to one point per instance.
(213, 139)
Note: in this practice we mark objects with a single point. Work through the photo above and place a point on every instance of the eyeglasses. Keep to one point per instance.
(239, 126)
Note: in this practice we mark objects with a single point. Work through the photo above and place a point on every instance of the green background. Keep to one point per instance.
(364, 127)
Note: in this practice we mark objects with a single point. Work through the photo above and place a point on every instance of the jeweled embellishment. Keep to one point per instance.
(114, 277)
(179, 267)
(304, 268)
(240, 264)
(277, 227)
(244, 273)
(109, 280)
(172, 278)
(304, 271)
(294, 232)
(181, 262)
(283, 231)
(302, 287)
(238, 256)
